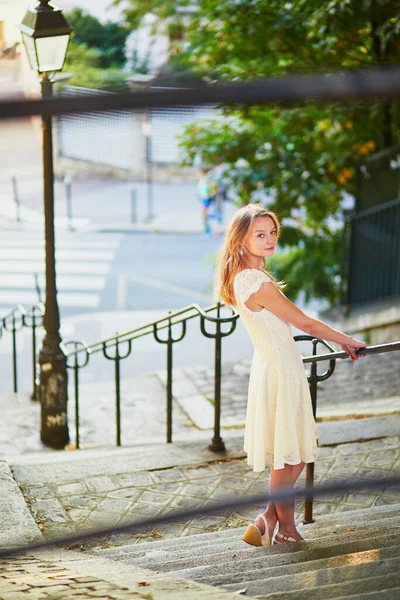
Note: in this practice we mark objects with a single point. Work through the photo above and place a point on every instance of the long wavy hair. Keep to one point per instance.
(231, 256)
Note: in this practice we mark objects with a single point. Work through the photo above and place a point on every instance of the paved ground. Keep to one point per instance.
(62, 574)
(30, 577)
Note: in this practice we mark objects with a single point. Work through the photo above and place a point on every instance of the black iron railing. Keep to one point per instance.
(119, 347)
(375, 253)
(15, 321)
(314, 378)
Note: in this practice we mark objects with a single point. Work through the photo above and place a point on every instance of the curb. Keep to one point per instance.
(17, 526)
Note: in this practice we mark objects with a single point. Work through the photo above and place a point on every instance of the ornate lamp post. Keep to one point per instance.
(46, 35)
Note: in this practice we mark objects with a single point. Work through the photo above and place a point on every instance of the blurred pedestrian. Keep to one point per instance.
(206, 194)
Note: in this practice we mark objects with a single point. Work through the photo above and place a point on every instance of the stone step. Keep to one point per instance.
(324, 576)
(187, 557)
(337, 591)
(326, 522)
(232, 576)
(259, 558)
(374, 513)
(381, 595)
(153, 551)
(342, 527)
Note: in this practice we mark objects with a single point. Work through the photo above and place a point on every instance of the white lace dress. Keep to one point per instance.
(280, 426)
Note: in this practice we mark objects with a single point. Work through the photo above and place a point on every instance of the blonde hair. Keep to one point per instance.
(231, 257)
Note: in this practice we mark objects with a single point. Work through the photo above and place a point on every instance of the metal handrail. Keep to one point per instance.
(314, 378)
(17, 319)
(78, 355)
(377, 349)
(143, 330)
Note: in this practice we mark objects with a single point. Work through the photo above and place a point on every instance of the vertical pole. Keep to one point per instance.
(15, 356)
(35, 389)
(308, 507)
(16, 198)
(169, 385)
(118, 392)
(76, 383)
(217, 444)
(149, 168)
(52, 360)
(68, 195)
(134, 215)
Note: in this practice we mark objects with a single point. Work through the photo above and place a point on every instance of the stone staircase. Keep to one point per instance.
(353, 554)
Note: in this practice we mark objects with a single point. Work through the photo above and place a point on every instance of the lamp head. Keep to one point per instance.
(46, 34)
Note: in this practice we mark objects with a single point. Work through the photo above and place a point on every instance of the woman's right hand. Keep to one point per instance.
(350, 346)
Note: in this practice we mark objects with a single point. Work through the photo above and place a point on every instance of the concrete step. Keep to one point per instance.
(370, 585)
(324, 576)
(382, 595)
(361, 517)
(374, 513)
(230, 540)
(232, 576)
(341, 527)
(186, 556)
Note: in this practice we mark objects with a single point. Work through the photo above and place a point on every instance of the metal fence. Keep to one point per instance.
(97, 137)
(375, 254)
(113, 138)
(166, 127)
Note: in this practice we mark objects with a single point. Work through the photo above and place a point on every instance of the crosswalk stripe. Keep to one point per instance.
(67, 299)
(61, 254)
(39, 243)
(82, 267)
(78, 282)
(95, 268)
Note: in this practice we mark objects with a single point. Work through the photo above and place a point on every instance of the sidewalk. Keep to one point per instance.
(175, 207)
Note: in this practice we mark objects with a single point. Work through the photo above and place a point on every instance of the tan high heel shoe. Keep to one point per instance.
(254, 537)
(283, 539)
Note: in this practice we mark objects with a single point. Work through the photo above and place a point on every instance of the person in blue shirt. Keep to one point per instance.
(206, 195)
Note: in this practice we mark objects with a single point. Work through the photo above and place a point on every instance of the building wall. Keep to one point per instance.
(11, 13)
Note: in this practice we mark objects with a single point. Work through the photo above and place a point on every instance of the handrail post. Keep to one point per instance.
(35, 389)
(118, 392)
(76, 388)
(77, 346)
(308, 505)
(169, 384)
(217, 443)
(14, 350)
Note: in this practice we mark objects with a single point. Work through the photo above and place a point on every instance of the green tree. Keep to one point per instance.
(109, 38)
(83, 66)
(302, 158)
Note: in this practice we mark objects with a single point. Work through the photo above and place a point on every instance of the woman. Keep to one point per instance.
(280, 427)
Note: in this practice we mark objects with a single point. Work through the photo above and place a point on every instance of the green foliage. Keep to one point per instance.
(83, 64)
(109, 38)
(301, 160)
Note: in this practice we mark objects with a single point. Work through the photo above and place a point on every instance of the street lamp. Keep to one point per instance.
(46, 35)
